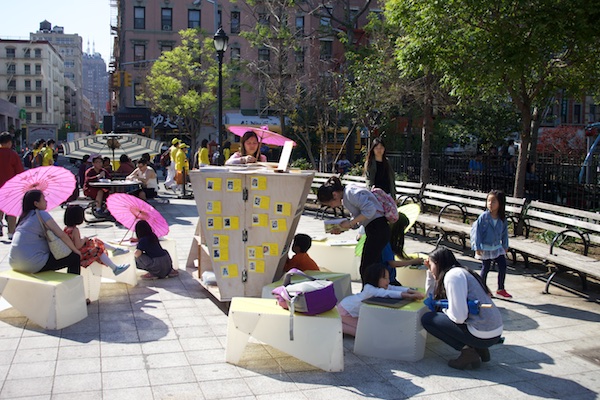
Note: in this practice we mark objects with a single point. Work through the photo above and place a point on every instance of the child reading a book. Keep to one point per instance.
(301, 259)
(377, 284)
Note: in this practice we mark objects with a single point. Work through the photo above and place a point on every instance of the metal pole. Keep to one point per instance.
(220, 101)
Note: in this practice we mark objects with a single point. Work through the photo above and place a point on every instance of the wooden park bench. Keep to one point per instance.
(564, 239)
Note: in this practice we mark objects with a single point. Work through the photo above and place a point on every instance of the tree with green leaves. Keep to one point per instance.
(520, 50)
(183, 81)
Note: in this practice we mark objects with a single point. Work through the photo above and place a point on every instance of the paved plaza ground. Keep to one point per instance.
(165, 339)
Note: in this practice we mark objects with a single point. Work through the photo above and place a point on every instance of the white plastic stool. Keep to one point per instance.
(392, 333)
(53, 300)
(317, 339)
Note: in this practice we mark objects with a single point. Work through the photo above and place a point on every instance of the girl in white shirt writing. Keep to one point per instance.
(377, 284)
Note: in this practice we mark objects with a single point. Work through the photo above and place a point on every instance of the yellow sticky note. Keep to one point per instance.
(213, 184)
(229, 271)
(220, 254)
(233, 185)
(261, 202)
(270, 249)
(214, 223)
(254, 252)
(278, 225)
(283, 209)
(261, 220)
(257, 266)
(213, 207)
(232, 223)
(220, 241)
(258, 183)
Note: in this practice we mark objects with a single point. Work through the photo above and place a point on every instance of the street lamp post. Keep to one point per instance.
(220, 40)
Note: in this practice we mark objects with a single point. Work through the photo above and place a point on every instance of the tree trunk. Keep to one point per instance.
(427, 128)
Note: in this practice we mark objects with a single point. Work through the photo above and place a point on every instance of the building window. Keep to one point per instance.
(38, 69)
(326, 17)
(592, 112)
(166, 19)
(10, 52)
(11, 68)
(27, 101)
(139, 55)
(235, 22)
(12, 85)
(165, 47)
(38, 117)
(193, 19)
(235, 58)
(13, 99)
(264, 54)
(263, 18)
(138, 89)
(38, 101)
(577, 113)
(27, 84)
(326, 50)
(27, 53)
(27, 69)
(139, 17)
(38, 85)
(235, 95)
(38, 53)
(300, 26)
(28, 117)
(354, 16)
(299, 57)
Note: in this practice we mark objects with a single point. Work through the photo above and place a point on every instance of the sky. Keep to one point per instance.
(88, 18)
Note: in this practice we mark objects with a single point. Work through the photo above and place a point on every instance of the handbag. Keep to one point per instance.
(58, 248)
(311, 297)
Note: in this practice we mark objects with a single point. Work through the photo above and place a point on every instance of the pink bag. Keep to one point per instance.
(390, 208)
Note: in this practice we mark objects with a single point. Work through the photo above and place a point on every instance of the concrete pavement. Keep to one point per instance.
(165, 339)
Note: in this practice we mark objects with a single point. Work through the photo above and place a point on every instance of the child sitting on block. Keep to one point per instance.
(301, 259)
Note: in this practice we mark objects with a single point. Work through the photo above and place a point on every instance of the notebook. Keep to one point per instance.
(387, 302)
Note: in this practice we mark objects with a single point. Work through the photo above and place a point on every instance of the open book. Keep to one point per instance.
(330, 224)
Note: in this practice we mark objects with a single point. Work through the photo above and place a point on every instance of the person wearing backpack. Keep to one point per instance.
(366, 210)
(38, 154)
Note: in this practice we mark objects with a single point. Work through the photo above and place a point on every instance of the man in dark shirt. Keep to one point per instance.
(10, 165)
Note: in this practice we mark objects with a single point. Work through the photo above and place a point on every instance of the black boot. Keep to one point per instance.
(484, 353)
(468, 358)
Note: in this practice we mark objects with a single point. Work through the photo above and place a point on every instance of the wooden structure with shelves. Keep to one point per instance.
(247, 218)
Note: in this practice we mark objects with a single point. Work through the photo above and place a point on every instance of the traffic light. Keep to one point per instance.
(116, 79)
(128, 79)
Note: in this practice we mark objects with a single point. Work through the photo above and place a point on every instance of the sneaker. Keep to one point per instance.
(173, 274)
(119, 251)
(149, 277)
(503, 294)
(10, 236)
(120, 269)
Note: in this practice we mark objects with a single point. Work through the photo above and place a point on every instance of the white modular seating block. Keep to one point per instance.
(51, 299)
(341, 284)
(129, 277)
(412, 277)
(169, 245)
(336, 258)
(317, 339)
(91, 284)
(391, 333)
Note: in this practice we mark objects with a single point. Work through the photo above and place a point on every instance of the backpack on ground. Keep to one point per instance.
(390, 209)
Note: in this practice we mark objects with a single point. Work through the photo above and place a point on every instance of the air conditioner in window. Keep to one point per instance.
(166, 27)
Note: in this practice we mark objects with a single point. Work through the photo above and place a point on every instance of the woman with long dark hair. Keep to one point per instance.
(29, 251)
(471, 334)
(249, 151)
(150, 256)
(378, 170)
(366, 210)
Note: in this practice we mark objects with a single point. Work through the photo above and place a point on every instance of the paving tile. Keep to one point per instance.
(14, 388)
(125, 379)
(129, 393)
(87, 395)
(271, 384)
(108, 349)
(77, 383)
(216, 371)
(225, 389)
(171, 376)
(78, 366)
(81, 352)
(35, 355)
(122, 363)
(162, 346)
(184, 391)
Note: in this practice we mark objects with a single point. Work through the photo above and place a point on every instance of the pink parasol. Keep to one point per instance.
(57, 184)
(128, 210)
(264, 134)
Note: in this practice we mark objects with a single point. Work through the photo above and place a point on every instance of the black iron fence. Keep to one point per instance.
(553, 179)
